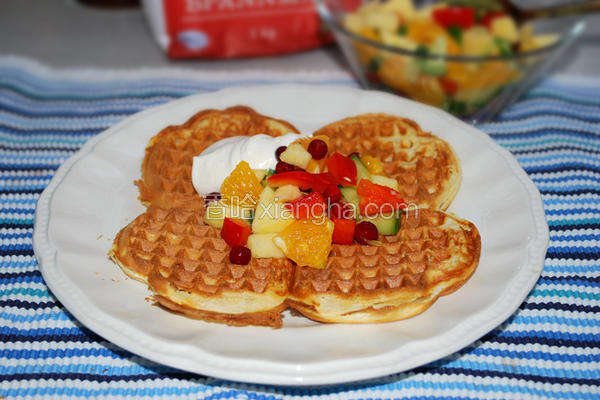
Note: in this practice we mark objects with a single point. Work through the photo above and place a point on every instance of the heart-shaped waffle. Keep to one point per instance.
(426, 167)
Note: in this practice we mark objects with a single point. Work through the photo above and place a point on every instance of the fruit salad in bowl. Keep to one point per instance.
(469, 57)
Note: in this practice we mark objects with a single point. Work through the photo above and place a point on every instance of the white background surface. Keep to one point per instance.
(65, 33)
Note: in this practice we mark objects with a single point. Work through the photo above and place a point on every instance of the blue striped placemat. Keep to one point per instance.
(550, 348)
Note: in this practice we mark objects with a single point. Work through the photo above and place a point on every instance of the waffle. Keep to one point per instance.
(186, 264)
(187, 267)
(167, 165)
(433, 254)
(426, 167)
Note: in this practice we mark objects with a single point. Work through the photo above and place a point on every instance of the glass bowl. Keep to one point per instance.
(488, 83)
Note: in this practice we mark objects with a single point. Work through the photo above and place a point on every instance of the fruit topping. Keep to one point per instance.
(296, 155)
(342, 168)
(306, 242)
(342, 211)
(365, 232)
(373, 164)
(282, 167)
(241, 186)
(332, 194)
(240, 255)
(343, 230)
(287, 193)
(377, 199)
(317, 149)
(303, 180)
(270, 216)
(278, 152)
(311, 206)
(235, 232)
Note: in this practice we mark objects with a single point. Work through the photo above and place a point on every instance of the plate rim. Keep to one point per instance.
(273, 372)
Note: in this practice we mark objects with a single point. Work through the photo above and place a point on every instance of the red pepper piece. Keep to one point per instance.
(235, 232)
(343, 231)
(461, 16)
(342, 168)
(342, 211)
(302, 179)
(332, 193)
(312, 205)
(377, 199)
(322, 181)
(486, 20)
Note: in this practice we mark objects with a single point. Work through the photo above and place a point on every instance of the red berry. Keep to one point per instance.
(332, 194)
(240, 255)
(283, 167)
(364, 232)
(317, 149)
(212, 196)
(278, 152)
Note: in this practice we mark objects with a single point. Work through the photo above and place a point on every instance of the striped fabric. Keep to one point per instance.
(549, 349)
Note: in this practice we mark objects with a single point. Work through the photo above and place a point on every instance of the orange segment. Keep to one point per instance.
(373, 164)
(241, 186)
(306, 242)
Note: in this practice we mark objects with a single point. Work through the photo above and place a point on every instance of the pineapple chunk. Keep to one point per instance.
(505, 28)
(385, 181)
(216, 212)
(382, 20)
(260, 173)
(392, 39)
(405, 8)
(270, 216)
(477, 41)
(287, 193)
(261, 245)
(296, 155)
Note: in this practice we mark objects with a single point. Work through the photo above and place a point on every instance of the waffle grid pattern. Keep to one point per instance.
(548, 349)
(423, 165)
(167, 168)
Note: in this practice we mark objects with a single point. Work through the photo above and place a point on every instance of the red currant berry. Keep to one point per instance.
(278, 152)
(283, 167)
(364, 232)
(240, 255)
(213, 196)
(332, 194)
(317, 149)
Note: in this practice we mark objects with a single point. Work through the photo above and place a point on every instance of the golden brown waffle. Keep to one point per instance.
(433, 254)
(426, 167)
(189, 271)
(167, 165)
(186, 264)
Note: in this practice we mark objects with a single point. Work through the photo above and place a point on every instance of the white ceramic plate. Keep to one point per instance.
(92, 196)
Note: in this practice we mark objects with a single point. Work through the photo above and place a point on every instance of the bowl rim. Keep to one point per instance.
(575, 30)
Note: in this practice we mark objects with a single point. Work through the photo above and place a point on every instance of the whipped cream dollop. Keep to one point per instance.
(216, 162)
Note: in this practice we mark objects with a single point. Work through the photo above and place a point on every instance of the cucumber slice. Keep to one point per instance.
(361, 170)
(435, 67)
(385, 224)
(350, 195)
